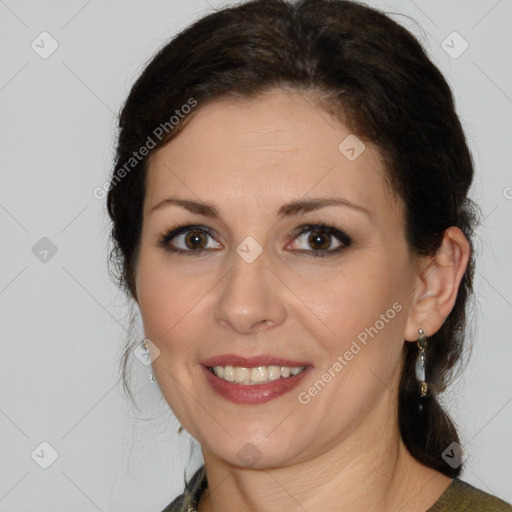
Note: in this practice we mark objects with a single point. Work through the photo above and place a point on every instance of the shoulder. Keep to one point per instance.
(189, 500)
(463, 497)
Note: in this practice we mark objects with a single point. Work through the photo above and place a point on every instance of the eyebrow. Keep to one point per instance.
(293, 208)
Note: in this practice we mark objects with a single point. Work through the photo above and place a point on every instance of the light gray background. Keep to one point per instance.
(63, 321)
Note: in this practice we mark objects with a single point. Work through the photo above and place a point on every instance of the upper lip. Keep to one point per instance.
(251, 362)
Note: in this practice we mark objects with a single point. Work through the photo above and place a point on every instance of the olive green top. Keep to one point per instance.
(459, 496)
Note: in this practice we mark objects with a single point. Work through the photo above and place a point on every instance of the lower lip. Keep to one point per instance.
(255, 393)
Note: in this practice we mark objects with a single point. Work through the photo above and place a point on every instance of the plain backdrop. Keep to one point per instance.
(63, 322)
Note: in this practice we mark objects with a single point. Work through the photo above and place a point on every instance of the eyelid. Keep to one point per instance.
(170, 233)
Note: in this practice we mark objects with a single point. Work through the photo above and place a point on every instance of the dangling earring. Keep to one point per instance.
(420, 363)
(146, 358)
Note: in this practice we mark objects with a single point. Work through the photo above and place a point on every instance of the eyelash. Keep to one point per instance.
(323, 228)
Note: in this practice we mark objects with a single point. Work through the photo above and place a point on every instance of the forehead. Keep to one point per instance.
(272, 149)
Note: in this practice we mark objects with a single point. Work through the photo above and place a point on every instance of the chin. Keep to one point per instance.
(255, 451)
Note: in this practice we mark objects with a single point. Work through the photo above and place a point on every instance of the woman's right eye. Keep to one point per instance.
(187, 240)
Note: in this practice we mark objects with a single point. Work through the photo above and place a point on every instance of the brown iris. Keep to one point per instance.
(320, 241)
(193, 240)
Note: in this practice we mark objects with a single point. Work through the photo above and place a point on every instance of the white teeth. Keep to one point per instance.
(241, 374)
(257, 375)
(274, 372)
(229, 373)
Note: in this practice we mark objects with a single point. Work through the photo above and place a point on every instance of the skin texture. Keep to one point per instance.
(342, 450)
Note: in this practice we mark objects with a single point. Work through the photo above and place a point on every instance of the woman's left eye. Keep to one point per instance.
(321, 237)
(194, 240)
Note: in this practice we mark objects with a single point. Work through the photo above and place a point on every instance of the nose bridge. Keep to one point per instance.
(250, 298)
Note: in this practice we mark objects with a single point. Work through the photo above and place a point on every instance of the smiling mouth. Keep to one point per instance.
(255, 375)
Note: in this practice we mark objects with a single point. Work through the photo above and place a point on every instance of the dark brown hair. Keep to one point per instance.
(376, 78)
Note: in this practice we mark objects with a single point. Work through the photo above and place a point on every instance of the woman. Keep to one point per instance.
(290, 212)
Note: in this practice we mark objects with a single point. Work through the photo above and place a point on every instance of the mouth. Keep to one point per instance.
(253, 385)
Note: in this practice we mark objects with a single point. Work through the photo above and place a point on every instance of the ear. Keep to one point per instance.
(438, 284)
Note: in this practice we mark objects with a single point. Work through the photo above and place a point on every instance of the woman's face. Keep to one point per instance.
(257, 289)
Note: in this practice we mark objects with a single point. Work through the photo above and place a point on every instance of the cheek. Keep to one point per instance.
(358, 314)
(348, 298)
(165, 299)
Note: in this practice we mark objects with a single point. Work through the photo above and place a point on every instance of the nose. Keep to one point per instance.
(251, 298)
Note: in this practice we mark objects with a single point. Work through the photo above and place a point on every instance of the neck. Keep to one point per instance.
(370, 470)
